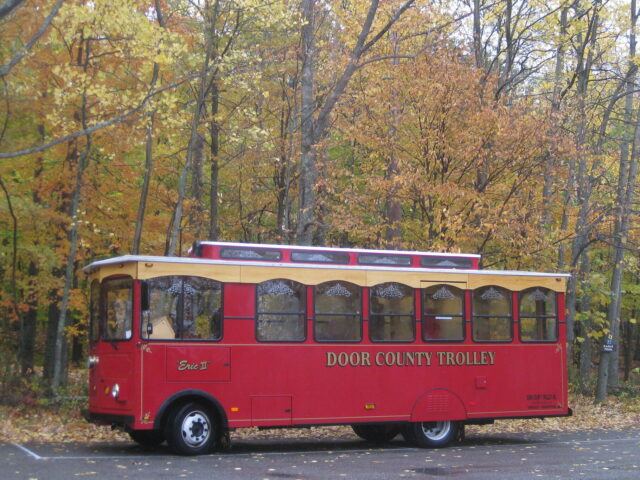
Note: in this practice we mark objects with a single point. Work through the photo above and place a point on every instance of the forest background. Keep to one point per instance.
(506, 128)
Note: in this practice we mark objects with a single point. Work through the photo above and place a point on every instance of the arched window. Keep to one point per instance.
(337, 312)
(280, 315)
(538, 315)
(443, 313)
(492, 315)
(391, 313)
(183, 307)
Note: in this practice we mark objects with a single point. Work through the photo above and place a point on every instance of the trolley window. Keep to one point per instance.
(446, 262)
(391, 312)
(118, 308)
(337, 312)
(492, 315)
(320, 257)
(280, 313)
(238, 253)
(383, 259)
(443, 313)
(183, 307)
(538, 315)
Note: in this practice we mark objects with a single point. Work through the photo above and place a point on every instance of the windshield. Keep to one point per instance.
(117, 308)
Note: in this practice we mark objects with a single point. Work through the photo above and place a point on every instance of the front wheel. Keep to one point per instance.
(190, 430)
(432, 434)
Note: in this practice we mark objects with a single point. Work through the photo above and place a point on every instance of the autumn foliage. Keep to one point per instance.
(506, 133)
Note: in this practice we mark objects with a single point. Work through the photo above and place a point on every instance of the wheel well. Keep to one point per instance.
(181, 398)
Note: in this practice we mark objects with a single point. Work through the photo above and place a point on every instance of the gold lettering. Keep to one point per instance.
(343, 359)
(449, 358)
(427, 356)
(185, 365)
(365, 359)
(331, 359)
(410, 358)
(491, 357)
(388, 359)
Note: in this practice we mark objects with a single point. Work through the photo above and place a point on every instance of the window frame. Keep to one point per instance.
(95, 312)
(346, 259)
(555, 316)
(510, 316)
(412, 315)
(103, 308)
(394, 265)
(456, 260)
(360, 314)
(222, 250)
(462, 315)
(180, 315)
(258, 313)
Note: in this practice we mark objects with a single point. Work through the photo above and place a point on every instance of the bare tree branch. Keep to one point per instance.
(9, 6)
(120, 118)
(6, 68)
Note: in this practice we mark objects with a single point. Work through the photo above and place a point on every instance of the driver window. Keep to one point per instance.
(183, 307)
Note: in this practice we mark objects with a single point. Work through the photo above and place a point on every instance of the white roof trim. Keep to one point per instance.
(202, 261)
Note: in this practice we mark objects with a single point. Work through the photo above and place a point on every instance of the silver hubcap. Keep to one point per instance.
(436, 430)
(195, 428)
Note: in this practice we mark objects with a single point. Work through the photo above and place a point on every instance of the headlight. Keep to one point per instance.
(93, 360)
(115, 391)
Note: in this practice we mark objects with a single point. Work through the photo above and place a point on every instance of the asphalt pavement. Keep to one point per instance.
(568, 455)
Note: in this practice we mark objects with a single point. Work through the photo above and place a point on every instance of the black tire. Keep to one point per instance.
(147, 438)
(432, 434)
(190, 430)
(376, 432)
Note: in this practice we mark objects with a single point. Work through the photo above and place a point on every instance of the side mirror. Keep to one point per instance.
(146, 320)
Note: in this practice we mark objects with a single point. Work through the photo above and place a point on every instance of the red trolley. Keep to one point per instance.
(242, 335)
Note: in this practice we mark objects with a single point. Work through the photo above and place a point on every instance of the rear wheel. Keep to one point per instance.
(379, 433)
(190, 430)
(432, 434)
(147, 438)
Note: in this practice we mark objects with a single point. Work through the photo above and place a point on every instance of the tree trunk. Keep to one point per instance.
(59, 354)
(585, 328)
(144, 193)
(29, 326)
(313, 131)
(556, 100)
(194, 150)
(53, 317)
(308, 175)
(393, 206)
(477, 36)
(583, 181)
(214, 129)
(58, 367)
(148, 167)
(625, 194)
